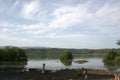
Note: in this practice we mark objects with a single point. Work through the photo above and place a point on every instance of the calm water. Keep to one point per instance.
(55, 64)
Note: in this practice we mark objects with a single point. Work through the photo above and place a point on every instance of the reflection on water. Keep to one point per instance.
(56, 64)
(12, 66)
(13, 63)
(112, 68)
(66, 62)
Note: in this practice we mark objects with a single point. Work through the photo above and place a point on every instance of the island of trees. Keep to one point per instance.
(66, 58)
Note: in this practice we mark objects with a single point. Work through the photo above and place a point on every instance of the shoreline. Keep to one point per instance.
(65, 74)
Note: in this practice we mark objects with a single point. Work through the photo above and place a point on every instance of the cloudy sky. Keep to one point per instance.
(89, 24)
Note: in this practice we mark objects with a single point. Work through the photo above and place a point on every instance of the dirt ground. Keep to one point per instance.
(67, 74)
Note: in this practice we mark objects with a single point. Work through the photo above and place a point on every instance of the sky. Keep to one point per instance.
(92, 24)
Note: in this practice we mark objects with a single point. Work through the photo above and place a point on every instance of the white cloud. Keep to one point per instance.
(8, 5)
(17, 41)
(34, 29)
(63, 23)
(31, 9)
(64, 17)
(67, 16)
(71, 36)
(5, 24)
(106, 19)
(4, 30)
(15, 3)
(108, 30)
(34, 26)
(109, 12)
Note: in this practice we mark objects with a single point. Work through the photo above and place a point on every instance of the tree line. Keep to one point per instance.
(36, 52)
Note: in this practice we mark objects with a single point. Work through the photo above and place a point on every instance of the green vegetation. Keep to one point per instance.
(117, 61)
(54, 53)
(49, 52)
(118, 42)
(66, 62)
(112, 58)
(12, 54)
(66, 58)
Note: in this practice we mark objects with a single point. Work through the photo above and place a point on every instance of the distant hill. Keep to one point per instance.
(51, 52)
(39, 51)
(27, 47)
(34, 47)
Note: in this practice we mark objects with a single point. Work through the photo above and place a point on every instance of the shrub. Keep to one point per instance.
(111, 58)
(117, 61)
(66, 56)
(12, 54)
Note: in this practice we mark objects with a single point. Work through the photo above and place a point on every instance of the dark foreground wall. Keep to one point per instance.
(34, 74)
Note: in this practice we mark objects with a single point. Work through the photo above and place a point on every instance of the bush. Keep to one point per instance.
(66, 56)
(12, 54)
(117, 61)
(111, 58)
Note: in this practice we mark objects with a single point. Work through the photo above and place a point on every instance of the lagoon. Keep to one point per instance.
(55, 64)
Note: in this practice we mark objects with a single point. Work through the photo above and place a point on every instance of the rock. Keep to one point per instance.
(81, 61)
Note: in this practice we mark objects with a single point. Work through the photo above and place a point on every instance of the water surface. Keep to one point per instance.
(55, 64)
